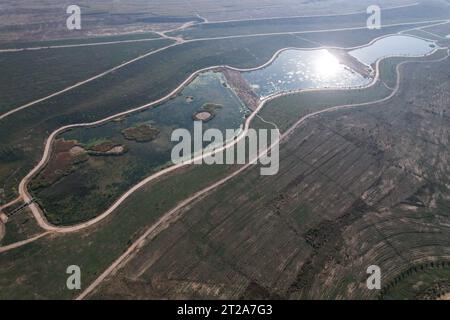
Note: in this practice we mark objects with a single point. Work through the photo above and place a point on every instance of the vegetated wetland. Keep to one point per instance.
(285, 110)
(357, 186)
(140, 82)
(95, 182)
(97, 247)
(20, 227)
(115, 234)
(100, 163)
(350, 193)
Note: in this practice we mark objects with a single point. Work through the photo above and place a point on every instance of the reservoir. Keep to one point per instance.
(303, 69)
(296, 69)
(397, 45)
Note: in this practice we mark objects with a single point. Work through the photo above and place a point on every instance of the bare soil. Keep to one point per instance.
(203, 116)
(242, 88)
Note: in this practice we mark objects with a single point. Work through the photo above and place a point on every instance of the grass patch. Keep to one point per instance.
(141, 133)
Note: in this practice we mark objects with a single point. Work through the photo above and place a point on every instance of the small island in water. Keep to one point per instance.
(207, 112)
(141, 133)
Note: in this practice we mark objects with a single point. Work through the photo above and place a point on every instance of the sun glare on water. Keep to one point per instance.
(326, 64)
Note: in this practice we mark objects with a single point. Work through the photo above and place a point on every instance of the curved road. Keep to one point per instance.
(175, 213)
(42, 221)
(190, 24)
(40, 217)
(179, 41)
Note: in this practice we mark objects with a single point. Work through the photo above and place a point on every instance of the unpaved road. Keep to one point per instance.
(93, 44)
(38, 214)
(180, 41)
(173, 215)
(7, 114)
(186, 25)
(313, 16)
(23, 242)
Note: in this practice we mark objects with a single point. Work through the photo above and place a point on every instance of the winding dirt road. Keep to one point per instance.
(186, 25)
(168, 218)
(37, 212)
(40, 217)
(23, 242)
(179, 41)
(173, 215)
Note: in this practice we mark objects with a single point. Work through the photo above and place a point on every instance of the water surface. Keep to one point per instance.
(303, 69)
(397, 45)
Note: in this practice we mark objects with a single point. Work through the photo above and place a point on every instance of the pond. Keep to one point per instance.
(96, 182)
(303, 69)
(209, 88)
(397, 45)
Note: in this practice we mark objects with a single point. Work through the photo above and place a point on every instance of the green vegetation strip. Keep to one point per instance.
(38, 270)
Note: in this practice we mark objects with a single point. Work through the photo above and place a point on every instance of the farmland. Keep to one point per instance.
(88, 41)
(86, 185)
